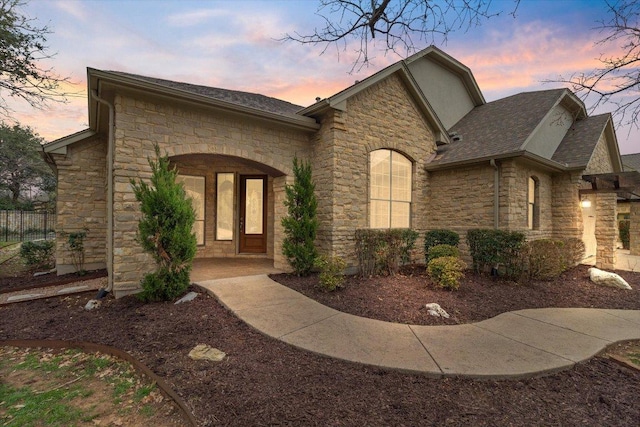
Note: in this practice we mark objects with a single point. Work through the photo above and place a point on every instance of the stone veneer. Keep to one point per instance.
(383, 116)
(82, 203)
(223, 142)
(634, 232)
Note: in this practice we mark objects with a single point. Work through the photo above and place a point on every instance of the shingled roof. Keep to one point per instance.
(245, 99)
(580, 140)
(498, 127)
(631, 162)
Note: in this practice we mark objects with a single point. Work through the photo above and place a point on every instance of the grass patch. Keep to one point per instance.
(66, 388)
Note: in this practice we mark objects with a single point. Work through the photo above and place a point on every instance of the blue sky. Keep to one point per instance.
(233, 44)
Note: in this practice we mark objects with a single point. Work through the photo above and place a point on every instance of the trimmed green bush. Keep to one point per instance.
(546, 258)
(624, 227)
(574, 251)
(496, 248)
(301, 224)
(446, 271)
(165, 231)
(439, 251)
(38, 253)
(331, 272)
(383, 251)
(439, 237)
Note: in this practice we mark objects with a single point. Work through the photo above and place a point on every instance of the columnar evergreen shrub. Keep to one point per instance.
(624, 227)
(37, 253)
(165, 231)
(439, 237)
(439, 251)
(301, 223)
(331, 272)
(446, 271)
(495, 249)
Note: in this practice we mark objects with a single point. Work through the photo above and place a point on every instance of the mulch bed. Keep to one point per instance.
(266, 382)
(29, 281)
(402, 298)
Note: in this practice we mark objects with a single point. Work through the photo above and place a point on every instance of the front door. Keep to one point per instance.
(253, 214)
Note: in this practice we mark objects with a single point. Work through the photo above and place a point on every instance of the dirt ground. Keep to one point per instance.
(265, 382)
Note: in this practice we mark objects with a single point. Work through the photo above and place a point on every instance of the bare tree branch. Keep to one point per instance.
(399, 24)
(617, 81)
(22, 48)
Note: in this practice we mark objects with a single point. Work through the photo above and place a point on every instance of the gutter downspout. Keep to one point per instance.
(110, 140)
(496, 194)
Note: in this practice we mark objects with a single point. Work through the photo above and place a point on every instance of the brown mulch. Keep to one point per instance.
(27, 280)
(402, 298)
(267, 382)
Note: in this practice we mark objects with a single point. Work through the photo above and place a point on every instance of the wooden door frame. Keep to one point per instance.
(242, 211)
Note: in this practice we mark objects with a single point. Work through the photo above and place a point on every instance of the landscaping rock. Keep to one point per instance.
(206, 352)
(188, 297)
(436, 310)
(91, 304)
(605, 278)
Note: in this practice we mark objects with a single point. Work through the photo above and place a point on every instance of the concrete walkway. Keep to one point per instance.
(515, 344)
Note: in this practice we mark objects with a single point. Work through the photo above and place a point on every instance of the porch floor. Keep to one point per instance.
(624, 261)
(222, 268)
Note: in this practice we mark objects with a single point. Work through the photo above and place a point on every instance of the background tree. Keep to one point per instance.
(404, 26)
(301, 224)
(165, 231)
(22, 168)
(22, 48)
(617, 81)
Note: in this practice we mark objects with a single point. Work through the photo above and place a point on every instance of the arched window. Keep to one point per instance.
(533, 197)
(389, 190)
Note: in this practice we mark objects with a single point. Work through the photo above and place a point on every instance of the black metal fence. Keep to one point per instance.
(21, 226)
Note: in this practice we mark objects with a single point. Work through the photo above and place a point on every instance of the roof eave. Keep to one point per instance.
(59, 146)
(95, 76)
(545, 163)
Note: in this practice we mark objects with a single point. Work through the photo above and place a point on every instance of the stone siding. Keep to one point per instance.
(634, 232)
(181, 130)
(606, 230)
(383, 116)
(82, 203)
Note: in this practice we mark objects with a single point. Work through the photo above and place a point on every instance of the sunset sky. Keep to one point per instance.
(234, 45)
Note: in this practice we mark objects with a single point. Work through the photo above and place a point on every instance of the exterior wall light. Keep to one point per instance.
(585, 203)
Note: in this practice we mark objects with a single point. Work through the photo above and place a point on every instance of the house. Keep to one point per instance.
(414, 145)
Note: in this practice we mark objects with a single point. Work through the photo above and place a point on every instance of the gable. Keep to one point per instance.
(444, 89)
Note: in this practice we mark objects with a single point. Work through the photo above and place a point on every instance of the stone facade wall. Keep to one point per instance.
(567, 216)
(82, 203)
(383, 116)
(514, 197)
(606, 230)
(181, 130)
(600, 161)
(634, 232)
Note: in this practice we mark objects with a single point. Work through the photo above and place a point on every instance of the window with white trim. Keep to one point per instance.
(389, 190)
(194, 187)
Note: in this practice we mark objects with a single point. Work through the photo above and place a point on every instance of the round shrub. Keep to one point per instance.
(439, 251)
(331, 272)
(446, 272)
(37, 253)
(439, 237)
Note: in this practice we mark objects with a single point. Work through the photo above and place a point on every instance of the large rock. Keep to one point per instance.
(435, 310)
(605, 278)
(206, 352)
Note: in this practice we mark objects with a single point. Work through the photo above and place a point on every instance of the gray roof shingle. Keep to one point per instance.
(498, 127)
(631, 162)
(580, 140)
(245, 99)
